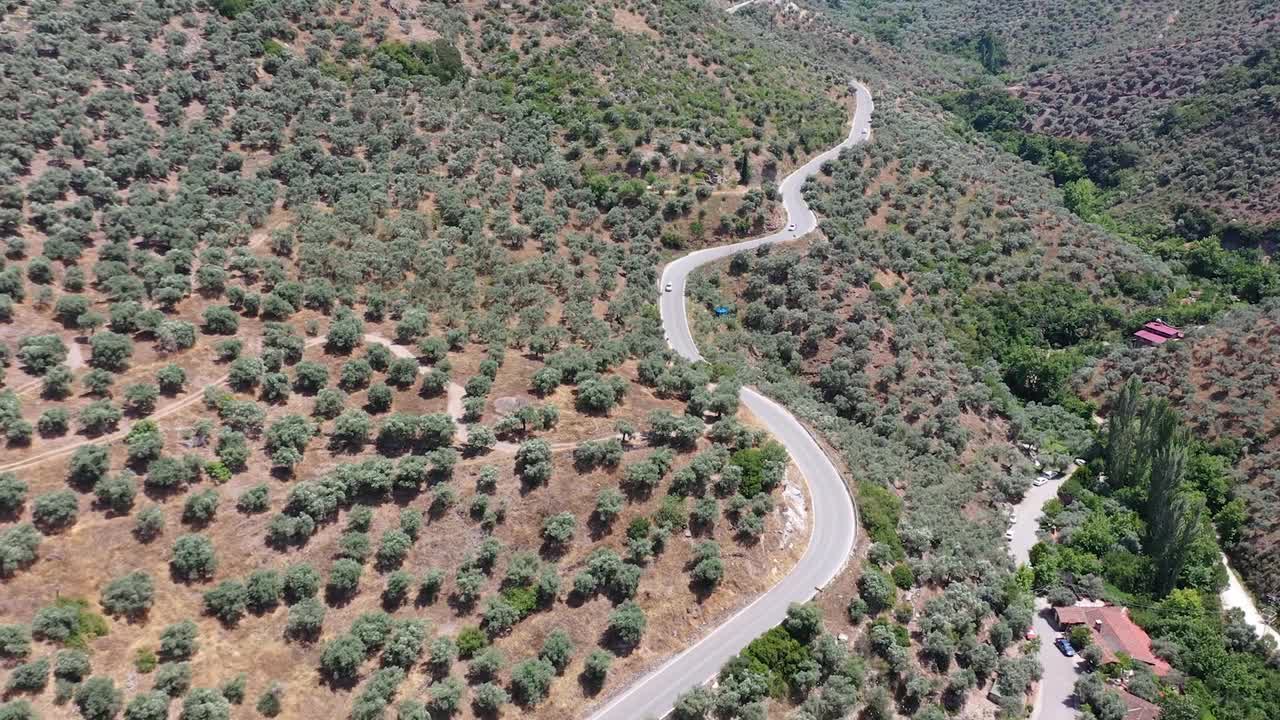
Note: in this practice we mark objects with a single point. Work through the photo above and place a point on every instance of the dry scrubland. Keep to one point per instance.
(212, 211)
(243, 192)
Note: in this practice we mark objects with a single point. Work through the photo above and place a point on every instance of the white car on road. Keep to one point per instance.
(792, 226)
(1040, 481)
(668, 287)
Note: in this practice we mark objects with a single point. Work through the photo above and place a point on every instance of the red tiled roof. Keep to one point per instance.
(1072, 615)
(1157, 332)
(1160, 328)
(1138, 709)
(1114, 633)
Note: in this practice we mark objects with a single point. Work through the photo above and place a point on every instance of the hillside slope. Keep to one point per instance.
(210, 209)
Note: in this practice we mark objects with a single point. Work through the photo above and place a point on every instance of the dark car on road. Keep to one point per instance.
(1065, 646)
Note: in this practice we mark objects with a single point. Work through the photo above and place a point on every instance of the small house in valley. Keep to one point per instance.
(1135, 708)
(1157, 332)
(1114, 633)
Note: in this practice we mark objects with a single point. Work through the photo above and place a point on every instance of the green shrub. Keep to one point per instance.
(71, 665)
(531, 679)
(268, 704)
(98, 699)
(227, 601)
(116, 493)
(903, 577)
(15, 642)
(147, 706)
(193, 558)
(471, 640)
(263, 590)
(173, 678)
(178, 641)
(596, 667)
(879, 509)
(300, 582)
(145, 660)
(130, 595)
(200, 508)
(149, 523)
(205, 704)
(68, 621)
(306, 617)
(29, 677)
(55, 511)
(776, 655)
(13, 494)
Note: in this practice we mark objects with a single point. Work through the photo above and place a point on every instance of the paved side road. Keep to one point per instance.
(1054, 699)
(1234, 595)
(1054, 693)
(835, 522)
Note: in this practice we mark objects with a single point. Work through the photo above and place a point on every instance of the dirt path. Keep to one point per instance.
(1236, 596)
(454, 392)
(187, 400)
(454, 408)
(75, 361)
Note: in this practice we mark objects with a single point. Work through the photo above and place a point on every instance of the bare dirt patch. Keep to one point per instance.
(629, 21)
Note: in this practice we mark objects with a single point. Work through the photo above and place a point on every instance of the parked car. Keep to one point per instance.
(1040, 481)
(1065, 646)
(792, 226)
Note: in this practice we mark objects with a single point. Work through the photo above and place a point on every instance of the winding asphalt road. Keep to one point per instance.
(835, 521)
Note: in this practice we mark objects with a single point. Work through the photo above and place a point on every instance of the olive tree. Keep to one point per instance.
(130, 595)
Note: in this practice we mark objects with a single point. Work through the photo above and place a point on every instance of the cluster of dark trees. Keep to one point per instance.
(1137, 526)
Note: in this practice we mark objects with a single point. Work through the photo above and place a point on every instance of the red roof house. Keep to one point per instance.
(1158, 333)
(1114, 633)
(1135, 708)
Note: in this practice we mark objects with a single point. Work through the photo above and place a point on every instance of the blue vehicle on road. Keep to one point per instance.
(1065, 646)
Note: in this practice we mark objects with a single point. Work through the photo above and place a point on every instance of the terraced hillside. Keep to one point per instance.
(1187, 88)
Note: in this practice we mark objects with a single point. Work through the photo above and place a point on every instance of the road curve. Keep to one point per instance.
(835, 521)
(1234, 595)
